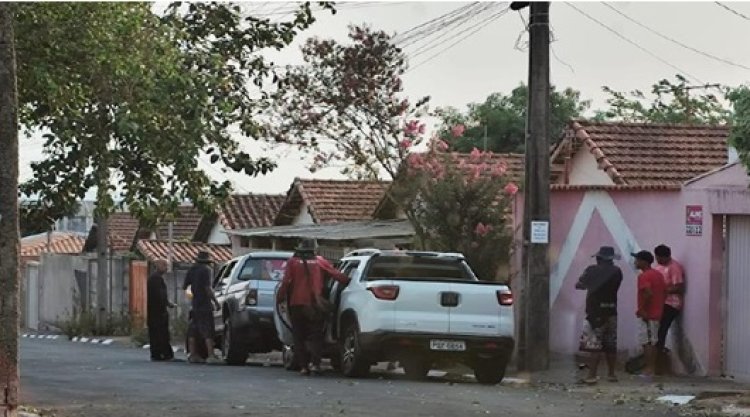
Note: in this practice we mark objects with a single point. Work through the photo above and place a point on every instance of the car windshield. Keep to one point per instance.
(263, 269)
(428, 268)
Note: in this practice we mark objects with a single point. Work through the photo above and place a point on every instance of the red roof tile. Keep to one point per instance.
(184, 225)
(123, 228)
(182, 252)
(332, 201)
(647, 154)
(248, 211)
(59, 242)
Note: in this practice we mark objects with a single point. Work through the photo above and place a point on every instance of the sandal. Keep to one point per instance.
(591, 381)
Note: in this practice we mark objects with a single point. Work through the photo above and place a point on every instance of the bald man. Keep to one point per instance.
(158, 316)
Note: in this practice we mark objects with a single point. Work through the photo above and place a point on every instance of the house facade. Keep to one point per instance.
(635, 186)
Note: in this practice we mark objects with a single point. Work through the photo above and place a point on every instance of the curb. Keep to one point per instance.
(92, 341)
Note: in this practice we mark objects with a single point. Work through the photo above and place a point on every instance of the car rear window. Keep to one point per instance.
(263, 269)
(426, 268)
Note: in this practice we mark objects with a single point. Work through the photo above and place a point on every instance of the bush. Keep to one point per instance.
(84, 324)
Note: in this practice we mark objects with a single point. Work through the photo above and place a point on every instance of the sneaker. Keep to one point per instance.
(304, 372)
(213, 360)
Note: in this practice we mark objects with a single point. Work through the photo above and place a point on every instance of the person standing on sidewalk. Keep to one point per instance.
(651, 295)
(674, 278)
(302, 287)
(204, 301)
(602, 282)
(157, 315)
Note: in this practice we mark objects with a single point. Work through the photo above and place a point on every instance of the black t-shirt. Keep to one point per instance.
(199, 279)
(602, 282)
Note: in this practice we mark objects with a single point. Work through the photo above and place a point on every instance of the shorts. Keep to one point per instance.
(648, 332)
(599, 336)
(202, 324)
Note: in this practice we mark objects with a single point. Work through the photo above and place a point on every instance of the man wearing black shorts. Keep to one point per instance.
(602, 282)
(204, 301)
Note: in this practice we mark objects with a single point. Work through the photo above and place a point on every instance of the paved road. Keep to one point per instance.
(109, 381)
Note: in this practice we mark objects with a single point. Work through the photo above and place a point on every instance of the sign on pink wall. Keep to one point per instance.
(694, 220)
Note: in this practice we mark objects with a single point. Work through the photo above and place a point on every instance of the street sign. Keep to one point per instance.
(540, 232)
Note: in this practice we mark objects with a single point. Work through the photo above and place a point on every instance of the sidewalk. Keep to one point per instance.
(693, 394)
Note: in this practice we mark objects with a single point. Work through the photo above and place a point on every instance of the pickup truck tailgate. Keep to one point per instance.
(478, 312)
(418, 309)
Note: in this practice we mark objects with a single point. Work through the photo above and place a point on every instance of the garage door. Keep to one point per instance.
(737, 362)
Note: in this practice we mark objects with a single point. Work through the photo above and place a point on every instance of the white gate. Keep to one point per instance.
(737, 332)
(32, 295)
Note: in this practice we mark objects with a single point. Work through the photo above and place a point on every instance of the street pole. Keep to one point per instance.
(102, 244)
(9, 229)
(534, 346)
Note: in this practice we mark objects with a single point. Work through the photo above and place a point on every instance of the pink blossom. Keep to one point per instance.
(481, 230)
(498, 170)
(411, 128)
(475, 155)
(415, 160)
(475, 172)
(442, 145)
(511, 189)
(458, 130)
(405, 144)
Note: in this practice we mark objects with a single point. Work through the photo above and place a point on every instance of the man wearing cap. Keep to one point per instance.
(204, 301)
(651, 295)
(602, 282)
(674, 278)
(302, 289)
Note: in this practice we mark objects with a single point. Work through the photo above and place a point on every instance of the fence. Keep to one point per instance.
(59, 286)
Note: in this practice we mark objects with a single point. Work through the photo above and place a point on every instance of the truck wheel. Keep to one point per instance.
(231, 348)
(353, 361)
(490, 371)
(287, 356)
(415, 368)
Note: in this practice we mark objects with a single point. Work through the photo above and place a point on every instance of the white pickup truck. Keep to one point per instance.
(422, 309)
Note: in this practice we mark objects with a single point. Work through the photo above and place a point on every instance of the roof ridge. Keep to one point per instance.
(723, 126)
(604, 163)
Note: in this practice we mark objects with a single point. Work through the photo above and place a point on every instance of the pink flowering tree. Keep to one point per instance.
(346, 106)
(463, 203)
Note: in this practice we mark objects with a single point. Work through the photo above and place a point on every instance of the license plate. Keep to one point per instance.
(448, 345)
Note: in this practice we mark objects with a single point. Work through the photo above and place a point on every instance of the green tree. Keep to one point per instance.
(669, 102)
(504, 118)
(740, 136)
(131, 99)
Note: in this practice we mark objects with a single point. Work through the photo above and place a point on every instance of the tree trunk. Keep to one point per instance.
(9, 232)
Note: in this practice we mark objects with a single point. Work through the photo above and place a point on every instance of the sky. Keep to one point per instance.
(486, 54)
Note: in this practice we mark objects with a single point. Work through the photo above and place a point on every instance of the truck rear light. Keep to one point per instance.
(252, 297)
(385, 292)
(505, 297)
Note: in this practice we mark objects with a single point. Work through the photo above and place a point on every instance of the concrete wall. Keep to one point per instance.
(304, 216)
(218, 235)
(585, 169)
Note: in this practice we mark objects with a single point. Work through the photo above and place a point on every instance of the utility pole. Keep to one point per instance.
(535, 305)
(102, 270)
(9, 229)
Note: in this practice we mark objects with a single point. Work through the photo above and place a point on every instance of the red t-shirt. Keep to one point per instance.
(299, 284)
(653, 281)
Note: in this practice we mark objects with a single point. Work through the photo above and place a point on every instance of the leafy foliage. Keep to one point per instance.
(740, 136)
(672, 102)
(462, 205)
(504, 117)
(128, 98)
(346, 104)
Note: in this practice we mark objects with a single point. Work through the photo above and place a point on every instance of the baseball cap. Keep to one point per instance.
(644, 255)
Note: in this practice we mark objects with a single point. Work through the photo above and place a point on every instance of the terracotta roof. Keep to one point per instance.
(184, 226)
(615, 187)
(248, 211)
(123, 228)
(645, 153)
(59, 242)
(331, 201)
(183, 252)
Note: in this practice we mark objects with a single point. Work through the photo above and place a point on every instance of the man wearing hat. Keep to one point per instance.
(204, 301)
(651, 296)
(302, 289)
(602, 282)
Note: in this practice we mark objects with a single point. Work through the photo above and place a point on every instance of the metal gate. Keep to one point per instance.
(737, 332)
(138, 283)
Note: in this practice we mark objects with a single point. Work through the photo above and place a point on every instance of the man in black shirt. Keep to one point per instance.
(204, 301)
(157, 314)
(601, 281)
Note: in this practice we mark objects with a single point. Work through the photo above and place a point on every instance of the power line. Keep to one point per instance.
(688, 47)
(479, 27)
(731, 10)
(626, 39)
(405, 36)
(450, 20)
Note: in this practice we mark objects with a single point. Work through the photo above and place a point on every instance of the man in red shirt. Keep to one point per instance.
(651, 295)
(674, 278)
(302, 286)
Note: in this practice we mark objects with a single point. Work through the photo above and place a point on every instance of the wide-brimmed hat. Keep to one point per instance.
(203, 257)
(306, 245)
(605, 252)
